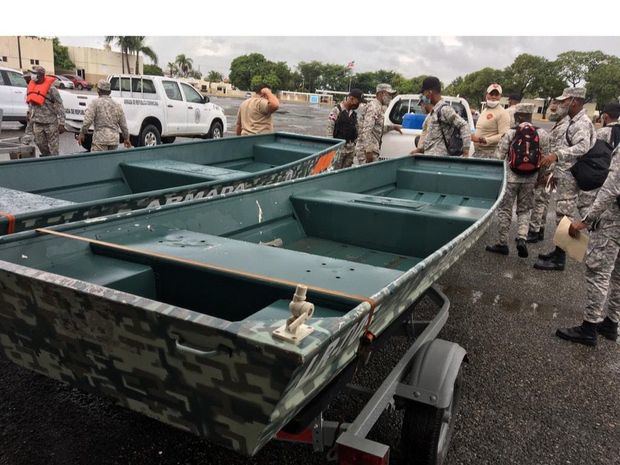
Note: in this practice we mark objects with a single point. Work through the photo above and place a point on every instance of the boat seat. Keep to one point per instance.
(464, 184)
(14, 202)
(278, 153)
(246, 260)
(160, 174)
(121, 275)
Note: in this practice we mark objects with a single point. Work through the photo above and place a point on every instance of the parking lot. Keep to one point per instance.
(528, 397)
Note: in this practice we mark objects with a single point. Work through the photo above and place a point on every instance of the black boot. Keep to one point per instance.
(533, 236)
(522, 248)
(498, 248)
(541, 234)
(584, 334)
(555, 263)
(548, 256)
(608, 329)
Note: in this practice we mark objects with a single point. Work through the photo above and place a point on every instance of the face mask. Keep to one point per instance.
(424, 100)
(492, 103)
(34, 77)
(562, 111)
(553, 116)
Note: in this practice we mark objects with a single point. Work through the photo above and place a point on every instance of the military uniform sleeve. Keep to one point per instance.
(581, 143)
(501, 152)
(60, 109)
(545, 141)
(122, 123)
(366, 131)
(89, 116)
(503, 125)
(331, 122)
(449, 115)
(607, 194)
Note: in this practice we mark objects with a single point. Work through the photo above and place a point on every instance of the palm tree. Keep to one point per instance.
(138, 46)
(173, 68)
(124, 42)
(184, 63)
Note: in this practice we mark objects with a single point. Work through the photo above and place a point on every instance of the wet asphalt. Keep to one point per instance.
(528, 397)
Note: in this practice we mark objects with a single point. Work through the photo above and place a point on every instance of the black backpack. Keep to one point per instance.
(590, 170)
(524, 154)
(454, 144)
(345, 126)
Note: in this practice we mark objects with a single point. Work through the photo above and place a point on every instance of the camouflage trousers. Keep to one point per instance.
(484, 152)
(46, 138)
(361, 157)
(538, 219)
(603, 276)
(102, 147)
(523, 194)
(347, 154)
(567, 195)
(584, 200)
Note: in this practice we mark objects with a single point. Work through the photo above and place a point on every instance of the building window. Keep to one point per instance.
(4, 59)
(34, 62)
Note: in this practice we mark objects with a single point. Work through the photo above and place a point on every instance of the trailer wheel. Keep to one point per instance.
(149, 136)
(427, 430)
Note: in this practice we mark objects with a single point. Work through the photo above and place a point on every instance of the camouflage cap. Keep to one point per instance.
(38, 69)
(385, 87)
(572, 92)
(103, 85)
(524, 108)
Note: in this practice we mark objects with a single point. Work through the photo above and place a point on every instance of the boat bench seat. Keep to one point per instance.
(160, 174)
(15, 202)
(462, 184)
(278, 153)
(248, 261)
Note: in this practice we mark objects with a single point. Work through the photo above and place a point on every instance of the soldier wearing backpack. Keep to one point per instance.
(523, 148)
(579, 138)
(610, 132)
(343, 124)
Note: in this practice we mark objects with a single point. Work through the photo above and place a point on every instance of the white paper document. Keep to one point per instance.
(575, 248)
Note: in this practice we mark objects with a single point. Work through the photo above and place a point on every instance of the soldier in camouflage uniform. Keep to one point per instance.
(519, 187)
(108, 120)
(578, 139)
(46, 121)
(350, 104)
(372, 127)
(438, 132)
(544, 185)
(602, 264)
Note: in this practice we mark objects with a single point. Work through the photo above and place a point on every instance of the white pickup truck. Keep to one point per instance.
(394, 144)
(158, 109)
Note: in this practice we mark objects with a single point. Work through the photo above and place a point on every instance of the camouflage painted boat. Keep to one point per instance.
(53, 190)
(182, 313)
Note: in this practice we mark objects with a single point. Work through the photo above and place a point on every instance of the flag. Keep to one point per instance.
(351, 65)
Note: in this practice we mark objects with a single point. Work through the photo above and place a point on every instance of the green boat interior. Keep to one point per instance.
(248, 268)
(93, 177)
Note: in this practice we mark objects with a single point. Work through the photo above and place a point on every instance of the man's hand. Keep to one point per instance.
(398, 128)
(548, 160)
(265, 91)
(478, 140)
(370, 157)
(575, 227)
(61, 129)
(127, 143)
(466, 153)
(415, 152)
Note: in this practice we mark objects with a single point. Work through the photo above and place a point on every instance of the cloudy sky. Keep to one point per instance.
(444, 56)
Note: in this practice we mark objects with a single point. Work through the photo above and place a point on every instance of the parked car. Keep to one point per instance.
(13, 95)
(394, 144)
(78, 82)
(158, 109)
(62, 82)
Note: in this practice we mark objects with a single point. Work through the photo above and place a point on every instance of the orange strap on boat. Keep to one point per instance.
(11, 220)
(186, 261)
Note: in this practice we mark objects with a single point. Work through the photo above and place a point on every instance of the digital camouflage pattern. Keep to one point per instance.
(519, 189)
(129, 348)
(108, 119)
(46, 138)
(603, 257)
(434, 141)
(311, 165)
(371, 130)
(605, 132)
(43, 123)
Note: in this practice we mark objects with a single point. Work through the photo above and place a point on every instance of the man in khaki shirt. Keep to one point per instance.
(492, 124)
(255, 114)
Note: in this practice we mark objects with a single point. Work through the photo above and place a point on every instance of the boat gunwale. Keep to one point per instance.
(347, 320)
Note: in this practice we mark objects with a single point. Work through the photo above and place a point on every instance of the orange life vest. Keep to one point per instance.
(37, 93)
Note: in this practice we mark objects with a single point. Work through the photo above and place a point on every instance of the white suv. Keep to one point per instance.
(13, 95)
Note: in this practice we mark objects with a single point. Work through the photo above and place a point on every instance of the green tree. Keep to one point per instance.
(526, 75)
(194, 73)
(153, 70)
(61, 56)
(367, 82)
(604, 83)
(270, 79)
(184, 64)
(575, 66)
(215, 76)
(244, 68)
(311, 75)
(472, 86)
(172, 68)
(124, 43)
(137, 45)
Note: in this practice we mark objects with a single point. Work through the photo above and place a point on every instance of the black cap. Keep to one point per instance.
(431, 83)
(516, 97)
(358, 94)
(612, 109)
